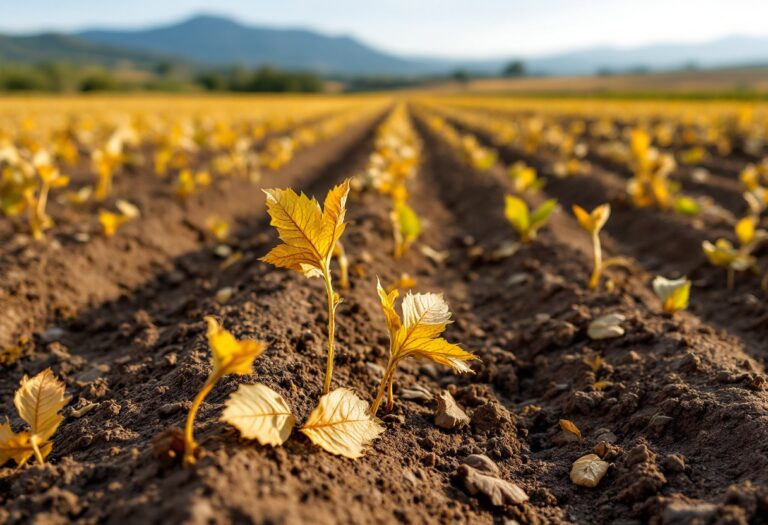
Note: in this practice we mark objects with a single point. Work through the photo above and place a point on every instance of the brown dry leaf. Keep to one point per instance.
(498, 491)
(341, 424)
(309, 234)
(569, 426)
(587, 471)
(259, 413)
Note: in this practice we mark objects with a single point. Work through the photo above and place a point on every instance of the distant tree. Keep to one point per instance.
(514, 69)
(461, 76)
(98, 80)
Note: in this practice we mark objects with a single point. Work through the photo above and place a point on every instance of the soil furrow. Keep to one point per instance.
(659, 368)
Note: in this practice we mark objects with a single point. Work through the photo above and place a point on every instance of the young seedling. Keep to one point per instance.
(38, 402)
(526, 223)
(425, 317)
(524, 178)
(723, 254)
(230, 356)
(593, 222)
(309, 237)
(50, 178)
(406, 226)
(673, 293)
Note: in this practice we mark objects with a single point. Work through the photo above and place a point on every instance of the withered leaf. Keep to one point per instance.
(570, 427)
(259, 413)
(587, 471)
(498, 491)
(341, 424)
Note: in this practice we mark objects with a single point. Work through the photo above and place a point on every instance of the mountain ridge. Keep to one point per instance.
(210, 40)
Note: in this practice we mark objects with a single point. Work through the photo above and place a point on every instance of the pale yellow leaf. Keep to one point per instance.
(341, 424)
(39, 401)
(587, 471)
(259, 413)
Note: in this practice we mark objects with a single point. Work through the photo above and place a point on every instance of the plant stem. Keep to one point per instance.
(390, 396)
(388, 377)
(189, 440)
(594, 281)
(36, 449)
(331, 328)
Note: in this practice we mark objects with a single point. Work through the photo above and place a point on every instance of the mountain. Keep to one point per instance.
(730, 51)
(215, 40)
(54, 47)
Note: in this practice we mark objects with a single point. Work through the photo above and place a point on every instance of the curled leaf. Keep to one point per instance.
(673, 293)
(231, 356)
(569, 426)
(259, 413)
(341, 424)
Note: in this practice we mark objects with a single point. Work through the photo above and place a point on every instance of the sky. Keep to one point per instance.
(441, 28)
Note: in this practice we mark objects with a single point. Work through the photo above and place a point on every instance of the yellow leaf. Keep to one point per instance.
(745, 230)
(673, 293)
(388, 305)
(231, 356)
(110, 222)
(39, 401)
(17, 446)
(594, 221)
(517, 213)
(569, 426)
(309, 234)
(341, 424)
(259, 413)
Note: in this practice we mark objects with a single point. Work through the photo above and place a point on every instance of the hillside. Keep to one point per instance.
(50, 47)
(227, 42)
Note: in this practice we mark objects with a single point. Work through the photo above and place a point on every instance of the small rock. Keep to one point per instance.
(53, 334)
(482, 463)
(606, 327)
(416, 393)
(518, 278)
(498, 491)
(224, 295)
(449, 415)
(376, 370)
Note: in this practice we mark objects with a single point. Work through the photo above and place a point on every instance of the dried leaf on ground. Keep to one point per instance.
(259, 413)
(587, 471)
(498, 491)
(341, 424)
